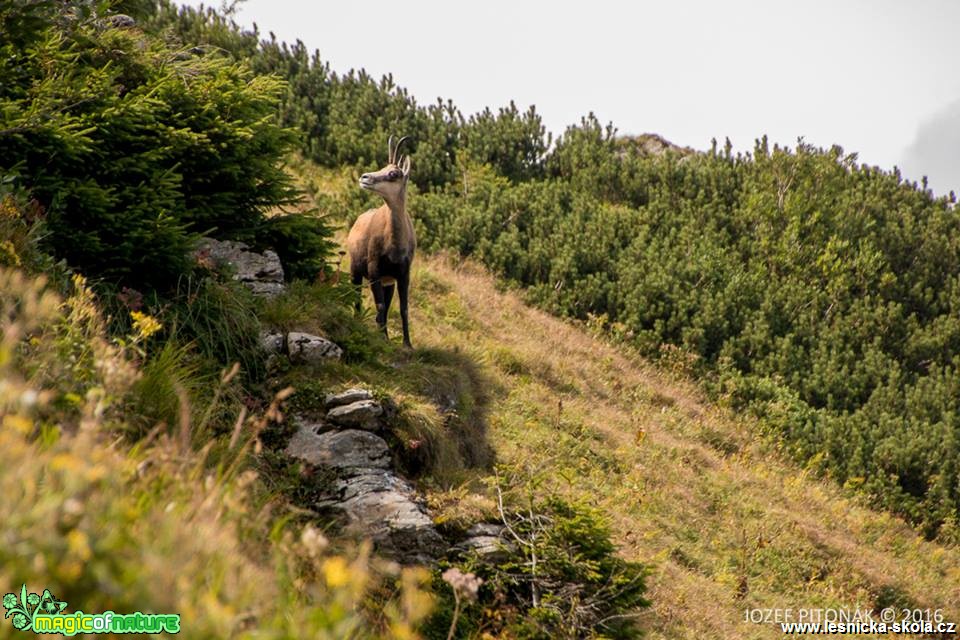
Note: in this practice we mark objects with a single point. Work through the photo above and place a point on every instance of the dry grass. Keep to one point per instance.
(725, 524)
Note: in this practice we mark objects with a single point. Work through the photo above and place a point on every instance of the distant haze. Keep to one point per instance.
(878, 77)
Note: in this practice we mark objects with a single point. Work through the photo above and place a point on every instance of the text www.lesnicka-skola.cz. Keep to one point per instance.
(889, 620)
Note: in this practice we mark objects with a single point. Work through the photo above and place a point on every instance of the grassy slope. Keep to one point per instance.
(724, 524)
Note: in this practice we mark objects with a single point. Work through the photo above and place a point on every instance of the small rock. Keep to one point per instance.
(309, 348)
(349, 452)
(363, 414)
(271, 341)
(488, 547)
(262, 273)
(265, 289)
(346, 397)
(122, 21)
(485, 529)
(486, 540)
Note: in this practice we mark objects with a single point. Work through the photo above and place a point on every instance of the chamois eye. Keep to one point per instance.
(394, 175)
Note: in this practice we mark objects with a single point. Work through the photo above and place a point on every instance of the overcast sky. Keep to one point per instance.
(879, 77)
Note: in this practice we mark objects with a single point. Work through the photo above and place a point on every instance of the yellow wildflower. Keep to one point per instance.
(146, 325)
(336, 572)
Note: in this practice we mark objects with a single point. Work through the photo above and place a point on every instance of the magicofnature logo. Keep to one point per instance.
(44, 614)
(28, 606)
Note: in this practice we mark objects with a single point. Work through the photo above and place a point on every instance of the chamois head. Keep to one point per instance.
(390, 181)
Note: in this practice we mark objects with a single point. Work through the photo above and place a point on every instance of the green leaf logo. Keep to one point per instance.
(25, 608)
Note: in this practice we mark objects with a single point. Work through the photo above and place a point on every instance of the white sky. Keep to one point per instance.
(879, 77)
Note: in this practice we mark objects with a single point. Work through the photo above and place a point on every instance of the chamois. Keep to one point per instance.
(382, 241)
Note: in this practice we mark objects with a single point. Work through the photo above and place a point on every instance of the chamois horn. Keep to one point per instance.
(393, 154)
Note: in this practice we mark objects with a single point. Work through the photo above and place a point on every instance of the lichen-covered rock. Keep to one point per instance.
(381, 506)
(348, 452)
(304, 347)
(362, 414)
(375, 502)
(346, 397)
(262, 273)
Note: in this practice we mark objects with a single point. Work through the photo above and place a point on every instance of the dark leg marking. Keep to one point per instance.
(403, 289)
(376, 287)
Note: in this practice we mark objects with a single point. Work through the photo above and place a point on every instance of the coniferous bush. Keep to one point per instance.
(133, 146)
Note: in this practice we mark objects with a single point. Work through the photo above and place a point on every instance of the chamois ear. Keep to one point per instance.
(405, 166)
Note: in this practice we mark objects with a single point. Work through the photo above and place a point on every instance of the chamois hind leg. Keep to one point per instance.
(403, 289)
(357, 279)
(376, 287)
(387, 299)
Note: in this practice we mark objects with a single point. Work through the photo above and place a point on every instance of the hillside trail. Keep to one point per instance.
(723, 523)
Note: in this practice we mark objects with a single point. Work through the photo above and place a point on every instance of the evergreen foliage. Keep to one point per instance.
(131, 145)
(819, 292)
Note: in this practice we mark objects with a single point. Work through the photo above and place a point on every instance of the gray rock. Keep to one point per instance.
(346, 397)
(348, 452)
(271, 342)
(121, 21)
(305, 347)
(485, 529)
(375, 502)
(261, 272)
(489, 547)
(363, 414)
(380, 505)
(265, 289)
(486, 541)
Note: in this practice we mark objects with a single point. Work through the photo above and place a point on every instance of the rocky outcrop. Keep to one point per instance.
(362, 414)
(348, 452)
(648, 144)
(300, 347)
(346, 397)
(262, 273)
(121, 21)
(305, 347)
(381, 505)
(373, 499)
(375, 502)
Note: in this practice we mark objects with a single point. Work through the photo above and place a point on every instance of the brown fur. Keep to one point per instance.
(379, 233)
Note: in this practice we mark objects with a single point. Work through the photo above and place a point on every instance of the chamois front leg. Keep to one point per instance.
(376, 287)
(387, 299)
(403, 289)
